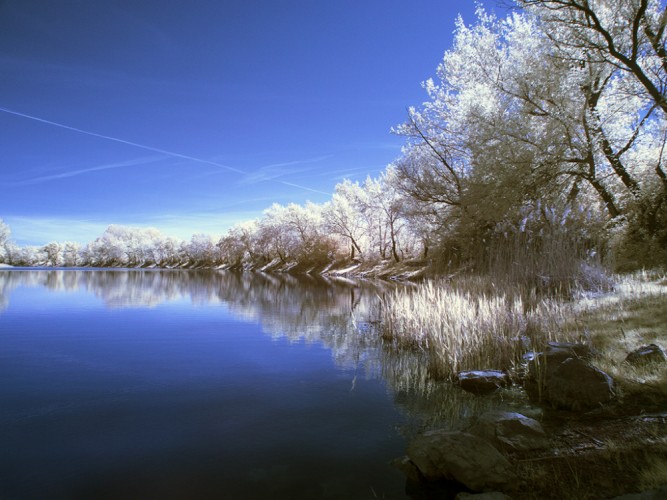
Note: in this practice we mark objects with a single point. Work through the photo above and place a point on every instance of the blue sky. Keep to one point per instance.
(191, 116)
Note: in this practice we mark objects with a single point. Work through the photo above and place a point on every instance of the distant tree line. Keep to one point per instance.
(361, 222)
(541, 146)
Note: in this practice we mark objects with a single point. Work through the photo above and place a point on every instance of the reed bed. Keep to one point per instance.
(462, 330)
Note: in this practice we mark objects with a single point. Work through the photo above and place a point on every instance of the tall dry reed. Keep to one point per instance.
(465, 331)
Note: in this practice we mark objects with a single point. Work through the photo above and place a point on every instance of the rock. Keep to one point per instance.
(646, 354)
(576, 385)
(493, 495)
(543, 365)
(540, 370)
(407, 467)
(461, 457)
(482, 381)
(575, 350)
(510, 431)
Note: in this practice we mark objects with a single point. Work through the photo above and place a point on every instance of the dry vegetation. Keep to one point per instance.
(608, 452)
(473, 329)
(474, 325)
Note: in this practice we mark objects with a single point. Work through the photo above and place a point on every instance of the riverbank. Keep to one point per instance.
(611, 449)
(406, 270)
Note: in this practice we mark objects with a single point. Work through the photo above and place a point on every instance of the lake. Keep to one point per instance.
(198, 384)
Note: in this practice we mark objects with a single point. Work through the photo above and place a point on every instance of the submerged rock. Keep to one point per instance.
(462, 457)
(646, 354)
(510, 431)
(482, 381)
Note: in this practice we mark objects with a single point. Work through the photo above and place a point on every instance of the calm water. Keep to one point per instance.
(185, 384)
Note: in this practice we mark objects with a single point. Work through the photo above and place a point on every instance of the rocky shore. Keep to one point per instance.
(591, 440)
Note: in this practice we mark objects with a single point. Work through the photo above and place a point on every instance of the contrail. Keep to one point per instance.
(73, 173)
(122, 141)
(303, 187)
(162, 151)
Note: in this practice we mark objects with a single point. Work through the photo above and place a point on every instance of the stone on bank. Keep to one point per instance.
(461, 457)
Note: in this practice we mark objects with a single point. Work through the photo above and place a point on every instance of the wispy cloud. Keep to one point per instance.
(122, 141)
(39, 230)
(271, 172)
(305, 188)
(348, 173)
(213, 223)
(277, 170)
(82, 171)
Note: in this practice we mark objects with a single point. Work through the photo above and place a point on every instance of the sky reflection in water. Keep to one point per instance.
(178, 384)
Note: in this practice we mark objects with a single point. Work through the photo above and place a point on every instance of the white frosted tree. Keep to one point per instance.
(240, 245)
(515, 118)
(343, 215)
(628, 35)
(5, 234)
(52, 254)
(383, 209)
(70, 254)
(277, 237)
(202, 250)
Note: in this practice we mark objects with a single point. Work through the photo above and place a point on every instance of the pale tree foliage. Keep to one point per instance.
(306, 223)
(70, 254)
(294, 233)
(343, 216)
(627, 38)
(239, 246)
(164, 253)
(624, 41)
(516, 120)
(277, 238)
(52, 254)
(124, 246)
(306, 226)
(22, 255)
(201, 251)
(627, 34)
(5, 234)
(383, 210)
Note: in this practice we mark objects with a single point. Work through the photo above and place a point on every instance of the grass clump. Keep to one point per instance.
(462, 330)
(474, 325)
(634, 315)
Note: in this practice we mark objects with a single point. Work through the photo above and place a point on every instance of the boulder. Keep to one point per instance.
(576, 385)
(407, 467)
(510, 431)
(482, 381)
(646, 354)
(543, 365)
(462, 457)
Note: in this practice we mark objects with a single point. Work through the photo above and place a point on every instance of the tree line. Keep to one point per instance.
(541, 144)
(362, 221)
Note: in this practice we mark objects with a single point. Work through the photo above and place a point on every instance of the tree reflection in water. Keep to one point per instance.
(340, 314)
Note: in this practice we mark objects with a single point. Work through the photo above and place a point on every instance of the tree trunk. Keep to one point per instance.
(607, 198)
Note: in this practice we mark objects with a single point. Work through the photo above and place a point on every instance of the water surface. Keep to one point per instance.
(186, 384)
